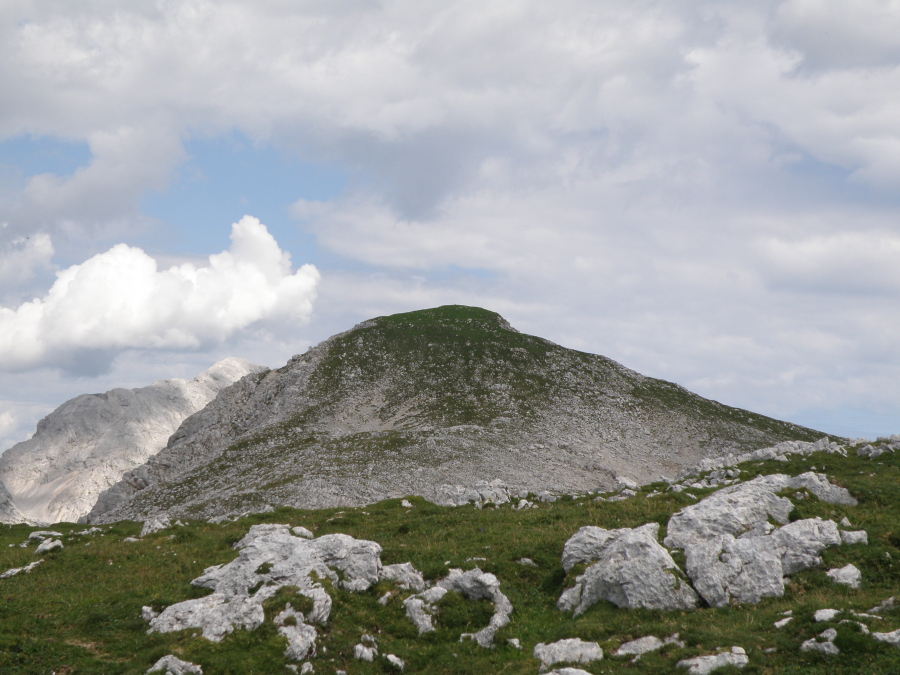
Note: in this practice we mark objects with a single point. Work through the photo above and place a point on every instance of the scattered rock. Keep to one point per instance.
(301, 636)
(700, 665)
(885, 606)
(826, 646)
(43, 534)
(15, 570)
(514, 643)
(406, 504)
(407, 577)
(781, 623)
(568, 671)
(572, 650)
(48, 545)
(172, 665)
(131, 540)
(148, 613)
(366, 650)
(156, 524)
(482, 493)
(301, 532)
(892, 638)
(641, 646)
(848, 575)
(825, 614)
(478, 585)
(527, 562)
(845, 522)
(631, 570)
(395, 661)
(857, 537)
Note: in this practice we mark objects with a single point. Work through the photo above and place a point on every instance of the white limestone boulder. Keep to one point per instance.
(701, 665)
(848, 575)
(572, 650)
(801, 542)
(746, 507)
(726, 570)
(631, 570)
(172, 665)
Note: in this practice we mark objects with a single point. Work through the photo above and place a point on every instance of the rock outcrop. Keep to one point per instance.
(631, 570)
(88, 443)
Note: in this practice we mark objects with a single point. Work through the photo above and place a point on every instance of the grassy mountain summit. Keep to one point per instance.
(406, 403)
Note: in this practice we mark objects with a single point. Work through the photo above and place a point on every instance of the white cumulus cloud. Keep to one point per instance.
(120, 300)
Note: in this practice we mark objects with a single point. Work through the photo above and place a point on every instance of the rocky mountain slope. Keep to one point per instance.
(88, 443)
(408, 403)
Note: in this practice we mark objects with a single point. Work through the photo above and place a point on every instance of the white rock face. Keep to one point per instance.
(700, 665)
(88, 443)
(631, 570)
(572, 650)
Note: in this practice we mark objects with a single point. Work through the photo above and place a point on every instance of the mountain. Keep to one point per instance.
(407, 403)
(85, 445)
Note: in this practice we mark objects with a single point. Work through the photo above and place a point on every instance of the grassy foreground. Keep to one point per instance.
(79, 611)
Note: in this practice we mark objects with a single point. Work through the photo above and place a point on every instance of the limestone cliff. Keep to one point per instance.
(89, 442)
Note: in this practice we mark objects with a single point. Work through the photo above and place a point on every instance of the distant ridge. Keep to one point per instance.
(403, 404)
(86, 444)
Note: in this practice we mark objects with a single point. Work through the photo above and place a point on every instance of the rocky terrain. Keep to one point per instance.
(88, 443)
(431, 403)
(779, 560)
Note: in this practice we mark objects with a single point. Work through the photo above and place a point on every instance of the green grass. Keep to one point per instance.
(79, 612)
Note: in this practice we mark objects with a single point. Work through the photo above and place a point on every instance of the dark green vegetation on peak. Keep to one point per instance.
(79, 611)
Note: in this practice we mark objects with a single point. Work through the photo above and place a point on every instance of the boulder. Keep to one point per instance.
(572, 650)
(801, 542)
(824, 644)
(156, 524)
(172, 665)
(48, 545)
(745, 507)
(726, 570)
(700, 665)
(848, 575)
(892, 638)
(405, 576)
(631, 570)
(855, 537)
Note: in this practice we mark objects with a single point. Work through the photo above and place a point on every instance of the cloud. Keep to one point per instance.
(119, 300)
(22, 258)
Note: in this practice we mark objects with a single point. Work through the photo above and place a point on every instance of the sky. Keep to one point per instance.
(707, 191)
